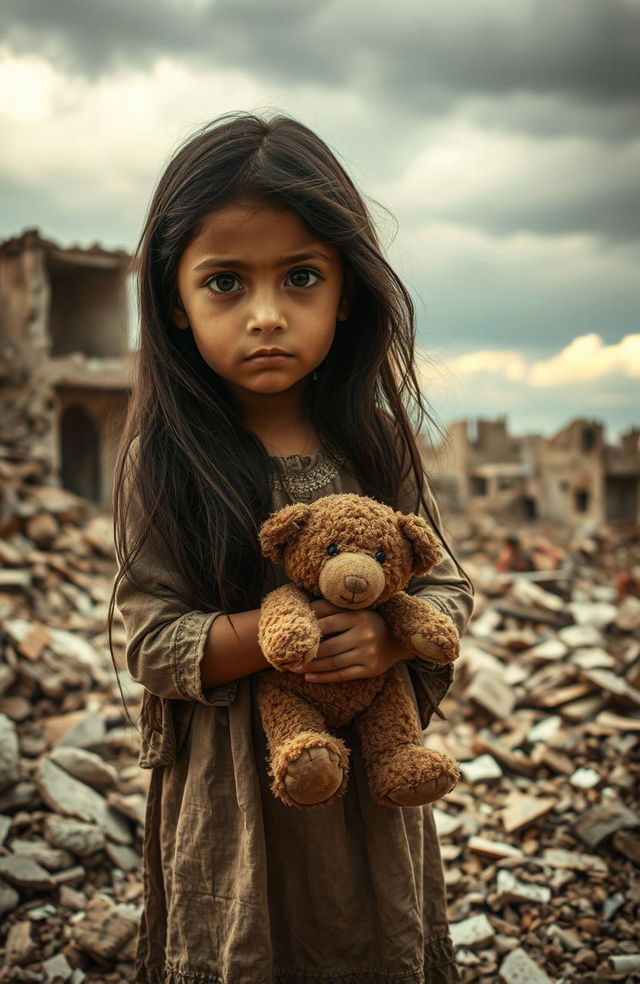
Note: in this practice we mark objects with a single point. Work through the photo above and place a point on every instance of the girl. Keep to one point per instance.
(275, 365)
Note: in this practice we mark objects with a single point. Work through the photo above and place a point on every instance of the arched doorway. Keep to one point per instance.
(80, 444)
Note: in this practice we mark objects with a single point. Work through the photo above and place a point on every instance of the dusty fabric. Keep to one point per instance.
(238, 887)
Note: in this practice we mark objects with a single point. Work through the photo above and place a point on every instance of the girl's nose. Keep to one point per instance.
(266, 315)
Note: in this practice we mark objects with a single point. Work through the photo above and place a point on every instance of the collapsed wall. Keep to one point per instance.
(65, 361)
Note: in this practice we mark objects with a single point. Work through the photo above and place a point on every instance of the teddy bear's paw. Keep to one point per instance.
(438, 649)
(425, 792)
(315, 776)
(413, 776)
(304, 660)
(293, 657)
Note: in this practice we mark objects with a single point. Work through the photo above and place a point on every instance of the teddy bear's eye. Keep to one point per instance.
(333, 549)
(380, 556)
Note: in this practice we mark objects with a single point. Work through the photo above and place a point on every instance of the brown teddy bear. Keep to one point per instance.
(356, 553)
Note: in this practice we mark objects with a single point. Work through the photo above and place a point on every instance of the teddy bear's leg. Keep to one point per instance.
(401, 771)
(420, 626)
(309, 766)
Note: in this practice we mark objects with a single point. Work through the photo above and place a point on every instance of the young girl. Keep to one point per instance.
(275, 365)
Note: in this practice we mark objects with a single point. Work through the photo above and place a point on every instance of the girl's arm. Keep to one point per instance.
(231, 649)
(444, 586)
(450, 591)
(168, 642)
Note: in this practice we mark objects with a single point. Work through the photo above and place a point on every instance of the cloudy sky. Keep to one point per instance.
(501, 139)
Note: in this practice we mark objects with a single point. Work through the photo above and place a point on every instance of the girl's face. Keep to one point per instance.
(261, 296)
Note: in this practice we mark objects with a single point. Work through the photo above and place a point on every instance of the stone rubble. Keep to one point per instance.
(544, 718)
(71, 792)
(540, 839)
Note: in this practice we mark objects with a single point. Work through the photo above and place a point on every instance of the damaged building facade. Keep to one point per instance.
(570, 478)
(65, 359)
(65, 375)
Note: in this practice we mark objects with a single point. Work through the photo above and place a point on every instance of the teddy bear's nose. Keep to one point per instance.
(355, 583)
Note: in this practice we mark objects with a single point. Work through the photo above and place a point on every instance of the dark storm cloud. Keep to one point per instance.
(613, 213)
(606, 204)
(417, 55)
(550, 69)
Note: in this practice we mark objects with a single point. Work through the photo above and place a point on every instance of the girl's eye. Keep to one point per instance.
(380, 556)
(222, 283)
(300, 277)
(333, 549)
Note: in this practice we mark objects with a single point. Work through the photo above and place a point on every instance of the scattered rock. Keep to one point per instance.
(474, 933)
(80, 838)
(84, 765)
(67, 795)
(25, 873)
(9, 753)
(104, 931)
(518, 968)
(521, 810)
(599, 823)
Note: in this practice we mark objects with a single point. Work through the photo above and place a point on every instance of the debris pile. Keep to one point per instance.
(541, 838)
(71, 793)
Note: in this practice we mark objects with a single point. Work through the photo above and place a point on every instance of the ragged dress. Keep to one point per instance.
(238, 887)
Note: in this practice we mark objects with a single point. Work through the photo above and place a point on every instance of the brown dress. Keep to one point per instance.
(238, 887)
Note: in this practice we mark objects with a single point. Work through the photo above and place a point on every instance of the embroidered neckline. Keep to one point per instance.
(300, 476)
(303, 459)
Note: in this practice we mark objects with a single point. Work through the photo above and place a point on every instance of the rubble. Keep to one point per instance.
(518, 968)
(540, 838)
(71, 793)
(545, 885)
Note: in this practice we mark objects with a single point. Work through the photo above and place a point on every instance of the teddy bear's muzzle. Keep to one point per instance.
(351, 580)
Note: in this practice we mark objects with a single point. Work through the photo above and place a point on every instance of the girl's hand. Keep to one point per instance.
(362, 647)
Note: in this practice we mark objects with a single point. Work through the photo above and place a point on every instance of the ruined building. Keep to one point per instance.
(64, 360)
(570, 478)
(65, 373)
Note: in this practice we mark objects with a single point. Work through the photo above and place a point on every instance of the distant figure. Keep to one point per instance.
(628, 583)
(546, 556)
(513, 557)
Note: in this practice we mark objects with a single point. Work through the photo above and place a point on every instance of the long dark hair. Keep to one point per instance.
(201, 478)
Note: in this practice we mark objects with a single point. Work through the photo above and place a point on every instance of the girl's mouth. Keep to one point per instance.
(269, 357)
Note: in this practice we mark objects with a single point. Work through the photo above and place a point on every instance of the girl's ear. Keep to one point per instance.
(281, 529)
(179, 315)
(348, 290)
(425, 547)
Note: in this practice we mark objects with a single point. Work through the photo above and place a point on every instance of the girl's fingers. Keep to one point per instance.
(323, 607)
(352, 672)
(336, 646)
(328, 664)
(339, 622)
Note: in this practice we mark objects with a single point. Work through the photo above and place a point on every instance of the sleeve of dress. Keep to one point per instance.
(165, 641)
(449, 591)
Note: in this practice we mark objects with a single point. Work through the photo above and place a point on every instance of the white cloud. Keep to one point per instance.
(586, 378)
(509, 364)
(587, 359)
(25, 88)
(96, 139)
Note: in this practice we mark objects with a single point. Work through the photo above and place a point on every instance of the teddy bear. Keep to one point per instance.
(356, 553)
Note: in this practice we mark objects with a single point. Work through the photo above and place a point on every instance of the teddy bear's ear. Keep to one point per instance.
(282, 528)
(426, 549)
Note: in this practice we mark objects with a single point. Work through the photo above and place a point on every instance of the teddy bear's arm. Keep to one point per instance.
(419, 626)
(288, 630)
